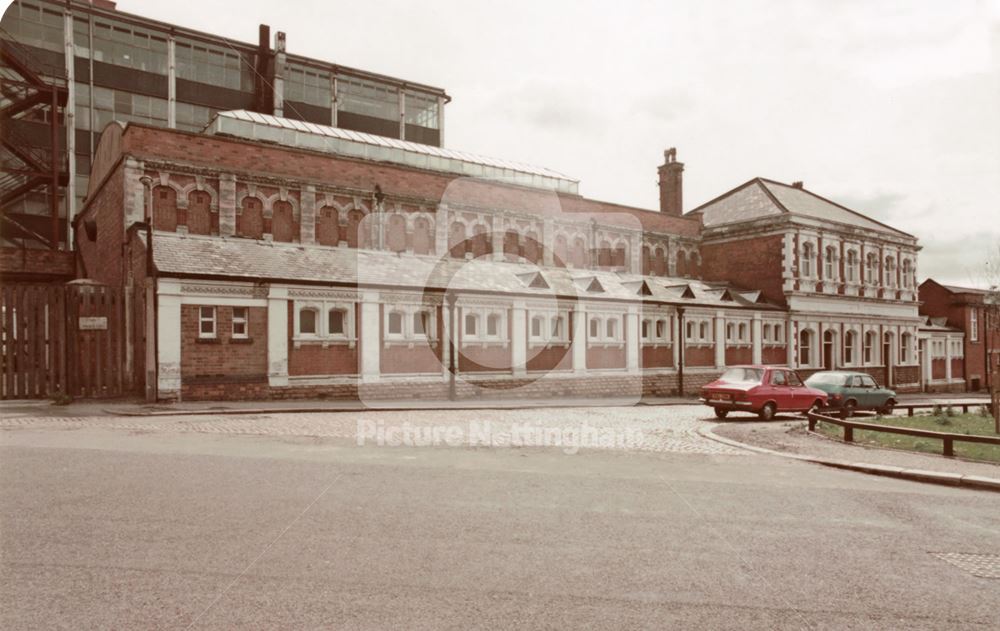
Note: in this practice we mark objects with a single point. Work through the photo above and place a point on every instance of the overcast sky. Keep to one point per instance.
(891, 108)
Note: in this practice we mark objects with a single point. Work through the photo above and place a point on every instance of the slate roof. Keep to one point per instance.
(761, 198)
(245, 259)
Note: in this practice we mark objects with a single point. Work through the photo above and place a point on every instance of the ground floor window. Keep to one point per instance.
(206, 322)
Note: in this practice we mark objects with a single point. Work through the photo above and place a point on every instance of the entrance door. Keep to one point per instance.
(828, 350)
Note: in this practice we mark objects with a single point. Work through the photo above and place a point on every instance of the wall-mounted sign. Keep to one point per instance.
(93, 323)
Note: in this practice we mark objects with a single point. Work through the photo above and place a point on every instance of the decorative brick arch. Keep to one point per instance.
(422, 233)
(165, 208)
(396, 232)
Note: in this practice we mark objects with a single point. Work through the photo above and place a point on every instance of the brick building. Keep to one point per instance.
(272, 258)
(963, 309)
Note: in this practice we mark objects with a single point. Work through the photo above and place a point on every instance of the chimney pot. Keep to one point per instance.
(797, 184)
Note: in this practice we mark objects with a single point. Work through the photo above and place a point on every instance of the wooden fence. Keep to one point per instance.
(61, 340)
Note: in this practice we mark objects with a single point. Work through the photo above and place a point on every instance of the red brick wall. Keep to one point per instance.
(424, 357)
(753, 263)
(939, 368)
(102, 259)
(223, 357)
(699, 356)
(600, 357)
(776, 355)
(219, 152)
(958, 368)
(738, 355)
(476, 358)
(550, 358)
(21, 264)
(657, 356)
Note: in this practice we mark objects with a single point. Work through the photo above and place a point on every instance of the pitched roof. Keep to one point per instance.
(761, 197)
(247, 259)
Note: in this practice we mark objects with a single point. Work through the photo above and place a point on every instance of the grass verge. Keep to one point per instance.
(953, 424)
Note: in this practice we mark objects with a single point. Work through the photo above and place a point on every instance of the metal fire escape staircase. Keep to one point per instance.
(30, 90)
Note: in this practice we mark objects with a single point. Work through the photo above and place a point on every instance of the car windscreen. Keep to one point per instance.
(742, 375)
(825, 379)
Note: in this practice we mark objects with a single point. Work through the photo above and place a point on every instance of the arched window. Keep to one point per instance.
(284, 228)
(308, 321)
(703, 331)
(869, 349)
(199, 214)
(743, 332)
(682, 263)
(907, 274)
(536, 326)
(851, 268)
(690, 330)
(730, 332)
(779, 332)
(421, 322)
(559, 251)
(337, 322)
(694, 265)
(557, 327)
(805, 347)
(620, 255)
(830, 263)
(511, 245)
(890, 271)
(595, 328)
(481, 245)
(356, 229)
(395, 323)
(871, 268)
(530, 249)
(646, 325)
(850, 341)
(659, 262)
(905, 341)
(808, 254)
(471, 325)
(646, 261)
(579, 255)
(396, 233)
(612, 328)
(165, 209)
(661, 329)
(423, 236)
(604, 254)
(493, 325)
(767, 333)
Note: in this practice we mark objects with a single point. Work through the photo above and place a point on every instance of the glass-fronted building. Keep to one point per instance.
(129, 68)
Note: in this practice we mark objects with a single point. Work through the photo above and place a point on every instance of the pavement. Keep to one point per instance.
(285, 521)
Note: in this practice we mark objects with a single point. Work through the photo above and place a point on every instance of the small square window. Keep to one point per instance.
(206, 322)
(240, 328)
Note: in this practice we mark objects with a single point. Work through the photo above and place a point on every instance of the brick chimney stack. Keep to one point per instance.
(671, 184)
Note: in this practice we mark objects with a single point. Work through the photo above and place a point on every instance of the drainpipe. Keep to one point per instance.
(451, 300)
(680, 355)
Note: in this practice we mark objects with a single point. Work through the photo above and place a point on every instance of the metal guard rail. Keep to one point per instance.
(947, 439)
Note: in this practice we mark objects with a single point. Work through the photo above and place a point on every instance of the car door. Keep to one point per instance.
(854, 390)
(871, 393)
(779, 390)
(799, 393)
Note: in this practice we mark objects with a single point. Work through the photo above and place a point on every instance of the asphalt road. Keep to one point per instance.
(118, 527)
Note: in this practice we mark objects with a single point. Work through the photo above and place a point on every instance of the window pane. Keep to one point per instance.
(470, 324)
(395, 323)
(420, 323)
(307, 321)
(336, 322)
(493, 325)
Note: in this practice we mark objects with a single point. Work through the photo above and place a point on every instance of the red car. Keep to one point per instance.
(764, 390)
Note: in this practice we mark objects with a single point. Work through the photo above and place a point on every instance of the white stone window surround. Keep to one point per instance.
(777, 336)
(482, 314)
(853, 269)
(408, 336)
(703, 329)
(858, 348)
(322, 335)
(547, 318)
(738, 333)
(658, 330)
(602, 317)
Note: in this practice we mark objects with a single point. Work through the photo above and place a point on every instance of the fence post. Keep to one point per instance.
(949, 447)
(909, 411)
(848, 434)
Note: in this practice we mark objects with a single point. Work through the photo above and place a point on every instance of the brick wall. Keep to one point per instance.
(776, 355)
(601, 357)
(753, 263)
(699, 356)
(479, 358)
(102, 259)
(21, 264)
(214, 364)
(657, 356)
(738, 355)
(547, 358)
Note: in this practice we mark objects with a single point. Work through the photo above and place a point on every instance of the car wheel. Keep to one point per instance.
(767, 412)
(848, 410)
(886, 409)
(720, 413)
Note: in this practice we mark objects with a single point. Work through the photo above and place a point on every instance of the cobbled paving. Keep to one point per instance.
(669, 429)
